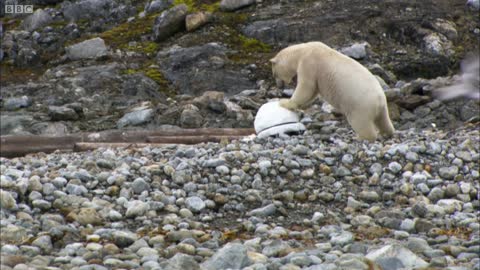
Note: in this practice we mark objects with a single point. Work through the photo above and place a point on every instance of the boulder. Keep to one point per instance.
(88, 49)
(138, 116)
(169, 22)
(231, 5)
(196, 20)
(38, 19)
(403, 255)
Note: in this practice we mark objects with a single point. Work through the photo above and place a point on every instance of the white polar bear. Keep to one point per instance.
(339, 80)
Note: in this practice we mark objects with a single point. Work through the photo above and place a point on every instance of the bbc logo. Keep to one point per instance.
(18, 9)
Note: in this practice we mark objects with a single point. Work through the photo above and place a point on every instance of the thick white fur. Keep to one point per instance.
(339, 80)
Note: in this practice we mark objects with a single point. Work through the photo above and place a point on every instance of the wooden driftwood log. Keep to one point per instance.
(191, 139)
(19, 145)
(86, 146)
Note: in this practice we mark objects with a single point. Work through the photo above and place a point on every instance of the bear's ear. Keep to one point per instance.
(273, 61)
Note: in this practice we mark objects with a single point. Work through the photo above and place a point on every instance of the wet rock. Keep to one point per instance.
(195, 204)
(405, 256)
(211, 100)
(6, 200)
(27, 57)
(265, 211)
(139, 185)
(15, 124)
(191, 117)
(448, 172)
(232, 256)
(136, 208)
(88, 49)
(124, 238)
(169, 22)
(413, 101)
(231, 5)
(62, 113)
(356, 51)
(342, 238)
(276, 248)
(87, 216)
(437, 44)
(44, 242)
(13, 235)
(181, 262)
(138, 116)
(446, 28)
(15, 103)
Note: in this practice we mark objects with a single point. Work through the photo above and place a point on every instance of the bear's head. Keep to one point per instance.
(282, 72)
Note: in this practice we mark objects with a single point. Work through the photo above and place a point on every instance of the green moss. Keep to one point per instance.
(253, 45)
(232, 19)
(210, 7)
(121, 35)
(129, 71)
(146, 47)
(58, 24)
(199, 5)
(10, 23)
(189, 3)
(156, 75)
(13, 74)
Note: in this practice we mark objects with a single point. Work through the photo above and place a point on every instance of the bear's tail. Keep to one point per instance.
(384, 124)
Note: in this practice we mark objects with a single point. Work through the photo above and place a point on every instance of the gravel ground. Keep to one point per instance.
(317, 201)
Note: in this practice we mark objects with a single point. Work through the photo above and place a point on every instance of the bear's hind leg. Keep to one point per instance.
(384, 124)
(364, 128)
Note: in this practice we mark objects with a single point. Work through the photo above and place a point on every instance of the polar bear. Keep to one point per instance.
(339, 80)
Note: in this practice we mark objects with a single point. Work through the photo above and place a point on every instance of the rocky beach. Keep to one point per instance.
(322, 200)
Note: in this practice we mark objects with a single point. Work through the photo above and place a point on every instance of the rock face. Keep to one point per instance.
(38, 19)
(197, 69)
(88, 49)
(169, 22)
(88, 9)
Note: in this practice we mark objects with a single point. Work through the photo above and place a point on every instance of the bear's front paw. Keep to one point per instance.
(288, 104)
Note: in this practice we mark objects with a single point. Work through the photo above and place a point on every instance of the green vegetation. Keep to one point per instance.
(195, 6)
(189, 3)
(253, 45)
(210, 7)
(156, 75)
(146, 47)
(58, 24)
(120, 36)
(10, 23)
(232, 19)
